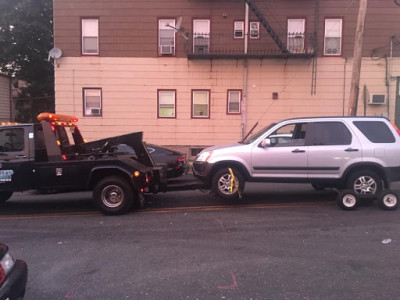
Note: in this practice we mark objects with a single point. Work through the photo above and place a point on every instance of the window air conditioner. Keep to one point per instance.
(166, 50)
(332, 46)
(95, 111)
(201, 49)
(377, 99)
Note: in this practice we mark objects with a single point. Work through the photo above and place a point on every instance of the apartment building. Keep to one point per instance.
(194, 73)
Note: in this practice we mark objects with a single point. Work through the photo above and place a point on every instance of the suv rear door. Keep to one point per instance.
(332, 147)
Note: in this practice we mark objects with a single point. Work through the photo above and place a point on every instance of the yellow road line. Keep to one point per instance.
(167, 210)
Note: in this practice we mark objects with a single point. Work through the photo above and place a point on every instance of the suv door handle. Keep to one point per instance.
(298, 151)
(351, 150)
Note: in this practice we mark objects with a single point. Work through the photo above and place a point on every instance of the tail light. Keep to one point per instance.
(181, 159)
(148, 177)
(395, 128)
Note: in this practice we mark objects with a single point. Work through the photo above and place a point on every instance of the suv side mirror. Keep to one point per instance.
(265, 143)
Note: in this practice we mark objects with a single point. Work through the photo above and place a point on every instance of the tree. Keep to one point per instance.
(26, 36)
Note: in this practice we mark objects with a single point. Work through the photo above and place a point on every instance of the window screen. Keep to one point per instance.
(200, 104)
(90, 36)
(92, 102)
(234, 98)
(166, 104)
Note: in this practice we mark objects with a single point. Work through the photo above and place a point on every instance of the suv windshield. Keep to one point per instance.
(255, 136)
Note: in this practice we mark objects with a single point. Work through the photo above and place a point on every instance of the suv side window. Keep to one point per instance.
(289, 135)
(330, 133)
(375, 131)
(12, 140)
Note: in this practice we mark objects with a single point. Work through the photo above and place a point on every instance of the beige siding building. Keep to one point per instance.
(5, 98)
(190, 74)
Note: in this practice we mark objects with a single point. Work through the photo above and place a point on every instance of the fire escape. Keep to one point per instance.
(270, 44)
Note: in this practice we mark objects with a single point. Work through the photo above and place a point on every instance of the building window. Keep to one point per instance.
(195, 151)
(295, 38)
(166, 37)
(166, 103)
(254, 30)
(333, 37)
(201, 36)
(238, 29)
(201, 104)
(92, 102)
(90, 36)
(234, 100)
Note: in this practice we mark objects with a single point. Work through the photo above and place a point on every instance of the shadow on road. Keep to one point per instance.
(80, 202)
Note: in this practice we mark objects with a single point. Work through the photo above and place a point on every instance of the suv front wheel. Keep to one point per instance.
(365, 183)
(227, 187)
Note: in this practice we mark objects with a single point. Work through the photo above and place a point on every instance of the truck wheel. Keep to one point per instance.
(5, 195)
(222, 186)
(347, 200)
(113, 195)
(389, 200)
(365, 183)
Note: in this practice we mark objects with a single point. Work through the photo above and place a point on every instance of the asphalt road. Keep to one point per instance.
(281, 242)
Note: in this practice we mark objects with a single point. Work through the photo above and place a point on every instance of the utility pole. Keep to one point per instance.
(355, 78)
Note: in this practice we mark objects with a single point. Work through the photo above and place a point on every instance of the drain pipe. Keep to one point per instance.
(245, 73)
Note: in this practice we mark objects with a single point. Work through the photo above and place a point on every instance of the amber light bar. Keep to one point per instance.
(57, 118)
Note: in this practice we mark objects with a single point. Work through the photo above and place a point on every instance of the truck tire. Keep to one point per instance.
(365, 183)
(5, 195)
(347, 200)
(221, 184)
(389, 200)
(113, 195)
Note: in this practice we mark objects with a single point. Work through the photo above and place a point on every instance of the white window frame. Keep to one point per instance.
(166, 25)
(88, 110)
(230, 94)
(90, 33)
(254, 29)
(206, 112)
(166, 105)
(335, 33)
(238, 29)
(295, 35)
(201, 37)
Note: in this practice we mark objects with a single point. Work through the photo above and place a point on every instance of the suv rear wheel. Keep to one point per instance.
(113, 195)
(226, 187)
(365, 183)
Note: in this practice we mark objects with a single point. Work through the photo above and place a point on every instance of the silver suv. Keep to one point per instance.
(357, 153)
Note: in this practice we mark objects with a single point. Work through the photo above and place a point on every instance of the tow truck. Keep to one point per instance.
(53, 156)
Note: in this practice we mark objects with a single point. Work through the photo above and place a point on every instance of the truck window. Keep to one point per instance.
(12, 140)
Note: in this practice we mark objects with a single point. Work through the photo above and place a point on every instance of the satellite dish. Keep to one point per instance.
(178, 28)
(54, 53)
(178, 24)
